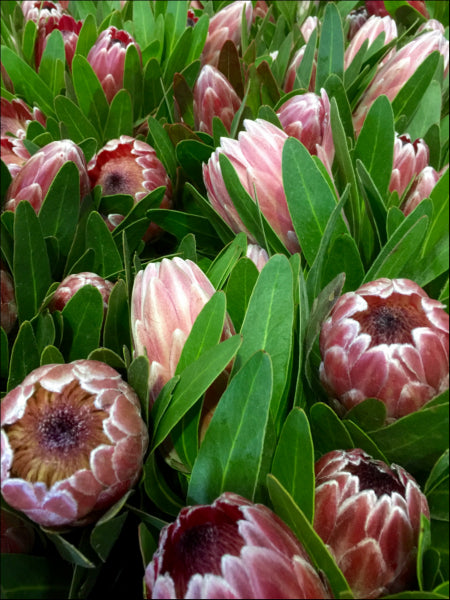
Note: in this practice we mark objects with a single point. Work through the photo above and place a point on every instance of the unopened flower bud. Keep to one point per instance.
(410, 158)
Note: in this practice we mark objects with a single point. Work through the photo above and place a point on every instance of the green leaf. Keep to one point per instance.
(191, 154)
(4, 354)
(423, 544)
(369, 414)
(157, 488)
(330, 57)
(428, 112)
(24, 355)
(231, 454)
(28, 40)
(133, 82)
(224, 262)
(83, 317)
(51, 355)
(90, 94)
(88, 34)
(310, 199)
(98, 237)
(68, 551)
(194, 381)
(293, 516)
(138, 373)
(45, 578)
(116, 332)
(239, 288)
(293, 463)
(77, 125)
(105, 534)
(343, 257)
(51, 68)
(328, 431)
(362, 440)
(32, 276)
(375, 208)
(120, 116)
(160, 140)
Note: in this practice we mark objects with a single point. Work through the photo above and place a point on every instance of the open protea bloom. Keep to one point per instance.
(225, 25)
(421, 188)
(307, 118)
(107, 58)
(370, 30)
(410, 158)
(13, 153)
(166, 299)
(8, 312)
(231, 549)
(214, 96)
(368, 514)
(73, 442)
(16, 116)
(129, 166)
(37, 174)
(72, 283)
(38, 10)
(391, 77)
(256, 156)
(69, 29)
(388, 340)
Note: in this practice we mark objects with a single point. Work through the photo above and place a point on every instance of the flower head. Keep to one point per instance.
(37, 174)
(8, 312)
(410, 158)
(72, 283)
(13, 153)
(256, 156)
(130, 166)
(388, 340)
(231, 549)
(69, 29)
(214, 96)
(73, 442)
(370, 30)
(378, 7)
(16, 116)
(421, 188)
(368, 514)
(38, 10)
(107, 58)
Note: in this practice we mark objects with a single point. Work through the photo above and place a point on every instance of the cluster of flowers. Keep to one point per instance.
(74, 435)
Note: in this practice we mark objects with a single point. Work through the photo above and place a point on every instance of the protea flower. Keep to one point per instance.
(73, 442)
(377, 7)
(291, 72)
(166, 299)
(37, 174)
(129, 166)
(370, 30)
(307, 118)
(410, 158)
(256, 156)
(69, 29)
(214, 96)
(368, 514)
(8, 312)
(356, 19)
(107, 58)
(72, 283)
(308, 26)
(391, 77)
(225, 25)
(17, 535)
(37, 10)
(16, 116)
(421, 188)
(257, 255)
(388, 340)
(231, 549)
(13, 153)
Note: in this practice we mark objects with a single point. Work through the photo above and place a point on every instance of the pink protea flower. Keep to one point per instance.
(410, 158)
(107, 58)
(307, 118)
(69, 29)
(388, 340)
(231, 549)
(37, 174)
(377, 7)
(166, 299)
(72, 283)
(13, 153)
(356, 19)
(73, 442)
(391, 77)
(8, 312)
(130, 166)
(17, 535)
(421, 188)
(308, 26)
(291, 72)
(37, 10)
(257, 255)
(16, 116)
(256, 156)
(368, 514)
(370, 30)
(214, 96)
(225, 25)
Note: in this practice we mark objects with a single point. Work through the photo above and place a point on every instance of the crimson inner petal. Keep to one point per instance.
(372, 477)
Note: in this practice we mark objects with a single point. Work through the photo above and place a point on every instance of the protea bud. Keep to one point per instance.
(410, 158)
(72, 283)
(130, 166)
(307, 118)
(291, 72)
(17, 535)
(37, 174)
(16, 116)
(368, 514)
(107, 58)
(225, 25)
(421, 188)
(356, 19)
(13, 153)
(256, 156)
(257, 255)
(73, 442)
(388, 340)
(214, 96)
(308, 26)
(69, 29)
(231, 549)
(391, 77)
(378, 7)
(166, 299)
(8, 312)
(37, 10)
(370, 30)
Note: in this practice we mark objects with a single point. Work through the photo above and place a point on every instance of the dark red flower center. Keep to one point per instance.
(373, 477)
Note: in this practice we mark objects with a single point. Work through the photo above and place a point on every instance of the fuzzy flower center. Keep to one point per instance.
(56, 435)
(391, 320)
(120, 176)
(372, 477)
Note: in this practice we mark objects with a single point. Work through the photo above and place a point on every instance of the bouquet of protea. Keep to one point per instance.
(224, 299)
